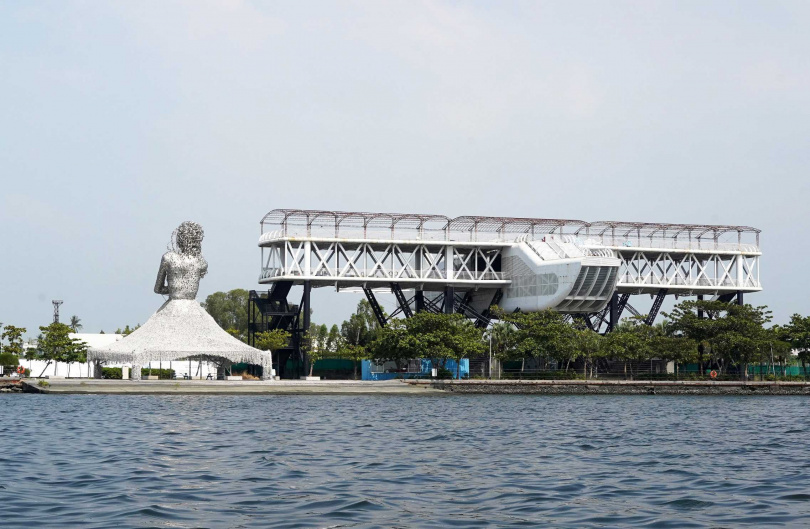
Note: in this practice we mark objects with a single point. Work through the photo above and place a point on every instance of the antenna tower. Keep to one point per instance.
(56, 303)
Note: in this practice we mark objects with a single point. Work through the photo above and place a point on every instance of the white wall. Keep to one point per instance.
(57, 368)
(78, 370)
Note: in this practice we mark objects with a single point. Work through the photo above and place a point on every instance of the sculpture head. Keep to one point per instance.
(188, 237)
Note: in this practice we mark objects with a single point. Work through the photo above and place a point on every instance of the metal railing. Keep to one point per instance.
(370, 273)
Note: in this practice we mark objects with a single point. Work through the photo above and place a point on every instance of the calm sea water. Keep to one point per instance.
(454, 461)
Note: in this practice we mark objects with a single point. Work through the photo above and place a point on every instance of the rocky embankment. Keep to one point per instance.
(10, 386)
(616, 387)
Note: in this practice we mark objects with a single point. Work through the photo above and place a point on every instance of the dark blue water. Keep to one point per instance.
(454, 461)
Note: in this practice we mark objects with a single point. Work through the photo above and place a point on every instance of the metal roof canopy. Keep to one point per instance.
(329, 224)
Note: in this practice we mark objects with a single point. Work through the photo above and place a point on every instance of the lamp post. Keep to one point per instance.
(490, 352)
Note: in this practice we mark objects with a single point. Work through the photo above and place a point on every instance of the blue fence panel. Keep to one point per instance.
(426, 367)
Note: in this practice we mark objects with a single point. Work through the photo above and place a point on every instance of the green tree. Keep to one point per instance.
(271, 340)
(355, 330)
(77, 352)
(319, 334)
(9, 361)
(313, 353)
(352, 352)
(442, 337)
(703, 331)
(13, 335)
(75, 323)
(365, 311)
(9, 355)
(503, 336)
(126, 331)
(34, 351)
(735, 334)
(543, 334)
(629, 342)
(57, 346)
(676, 349)
(229, 310)
(589, 345)
(392, 343)
(332, 341)
(797, 334)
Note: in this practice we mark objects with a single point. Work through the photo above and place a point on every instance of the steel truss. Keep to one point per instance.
(647, 271)
(270, 311)
(620, 302)
(341, 262)
(403, 304)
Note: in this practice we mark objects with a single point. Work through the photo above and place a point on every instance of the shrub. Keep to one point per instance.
(444, 373)
(9, 361)
(163, 374)
(784, 378)
(111, 373)
(542, 375)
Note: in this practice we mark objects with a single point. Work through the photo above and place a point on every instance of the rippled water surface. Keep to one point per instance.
(477, 461)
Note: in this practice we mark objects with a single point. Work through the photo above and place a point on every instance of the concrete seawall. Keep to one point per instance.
(614, 387)
(413, 387)
(10, 386)
(221, 387)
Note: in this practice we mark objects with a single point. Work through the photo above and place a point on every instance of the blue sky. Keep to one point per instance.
(119, 120)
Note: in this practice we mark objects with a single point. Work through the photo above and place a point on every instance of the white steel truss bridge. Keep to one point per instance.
(468, 263)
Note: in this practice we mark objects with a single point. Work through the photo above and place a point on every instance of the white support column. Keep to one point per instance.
(448, 262)
(307, 258)
(740, 272)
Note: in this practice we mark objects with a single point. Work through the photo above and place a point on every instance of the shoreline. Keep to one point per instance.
(222, 387)
(616, 387)
(414, 387)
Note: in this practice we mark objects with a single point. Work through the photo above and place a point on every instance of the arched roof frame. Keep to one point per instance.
(502, 225)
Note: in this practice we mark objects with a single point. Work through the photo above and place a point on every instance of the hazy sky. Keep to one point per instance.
(119, 120)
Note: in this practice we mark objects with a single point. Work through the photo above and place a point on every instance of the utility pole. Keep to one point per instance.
(56, 303)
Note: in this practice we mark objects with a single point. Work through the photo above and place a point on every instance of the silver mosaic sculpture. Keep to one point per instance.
(181, 328)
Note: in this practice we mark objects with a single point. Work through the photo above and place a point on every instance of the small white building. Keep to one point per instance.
(40, 368)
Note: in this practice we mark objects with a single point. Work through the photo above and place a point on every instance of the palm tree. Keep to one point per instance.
(503, 337)
(75, 323)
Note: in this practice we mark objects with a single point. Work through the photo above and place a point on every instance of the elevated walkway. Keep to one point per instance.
(462, 264)
(432, 252)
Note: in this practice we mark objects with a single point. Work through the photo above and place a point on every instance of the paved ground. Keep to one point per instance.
(221, 387)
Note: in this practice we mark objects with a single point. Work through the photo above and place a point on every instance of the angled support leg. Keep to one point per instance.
(656, 306)
(401, 301)
(449, 300)
(375, 306)
(419, 300)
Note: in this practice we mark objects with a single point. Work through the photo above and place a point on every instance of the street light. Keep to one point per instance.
(490, 351)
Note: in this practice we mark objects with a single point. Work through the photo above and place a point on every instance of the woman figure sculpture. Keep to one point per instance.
(183, 265)
(181, 328)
